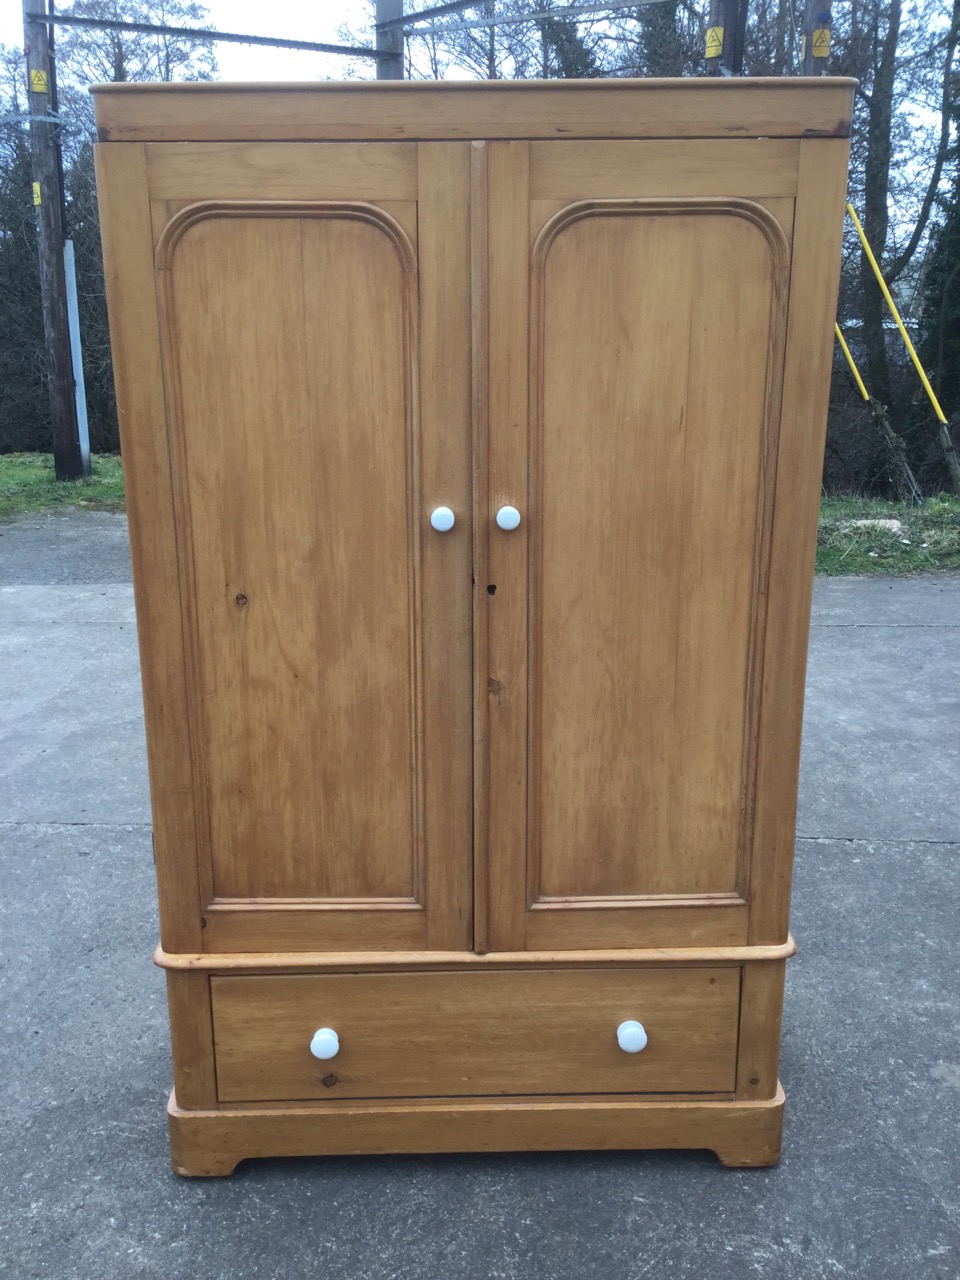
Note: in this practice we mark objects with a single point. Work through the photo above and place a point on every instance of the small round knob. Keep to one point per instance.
(325, 1043)
(631, 1037)
(508, 518)
(442, 519)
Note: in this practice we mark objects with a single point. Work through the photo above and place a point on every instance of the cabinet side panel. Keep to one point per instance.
(191, 1036)
(131, 298)
(815, 275)
(758, 1051)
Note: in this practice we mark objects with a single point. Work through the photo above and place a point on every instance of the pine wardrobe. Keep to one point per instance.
(472, 436)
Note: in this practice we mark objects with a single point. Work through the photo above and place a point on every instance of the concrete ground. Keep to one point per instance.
(869, 1184)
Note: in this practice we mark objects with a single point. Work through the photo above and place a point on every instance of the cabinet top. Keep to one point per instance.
(789, 107)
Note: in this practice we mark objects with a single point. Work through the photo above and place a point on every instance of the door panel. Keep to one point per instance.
(303, 602)
(323, 706)
(656, 343)
(643, 560)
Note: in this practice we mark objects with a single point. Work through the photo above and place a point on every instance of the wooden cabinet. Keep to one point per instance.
(471, 798)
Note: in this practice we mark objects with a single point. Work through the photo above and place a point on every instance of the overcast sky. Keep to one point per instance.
(296, 19)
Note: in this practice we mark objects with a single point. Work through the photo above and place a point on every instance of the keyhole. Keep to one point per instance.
(492, 589)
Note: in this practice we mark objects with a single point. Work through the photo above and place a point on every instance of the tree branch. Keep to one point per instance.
(902, 260)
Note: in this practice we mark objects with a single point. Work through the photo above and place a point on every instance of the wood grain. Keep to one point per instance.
(353, 961)
(640, 923)
(447, 1034)
(815, 274)
(126, 232)
(480, 442)
(285, 500)
(300, 924)
(612, 506)
(287, 170)
(762, 108)
(446, 474)
(640, 563)
(298, 487)
(502, 588)
(211, 1143)
(572, 170)
(191, 1038)
(761, 1007)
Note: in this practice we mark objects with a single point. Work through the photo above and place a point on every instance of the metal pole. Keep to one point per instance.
(888, 298)
(389, 43)
(76, 354)
(48, 201)
(816, 37)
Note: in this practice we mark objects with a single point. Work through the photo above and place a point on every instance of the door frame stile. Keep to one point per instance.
(503, 678)
(481, 639)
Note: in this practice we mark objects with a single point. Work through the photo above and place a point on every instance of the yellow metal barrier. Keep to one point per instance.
(896, 315)
(850, 361)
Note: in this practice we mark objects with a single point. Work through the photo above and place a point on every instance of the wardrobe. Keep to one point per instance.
(472, 435)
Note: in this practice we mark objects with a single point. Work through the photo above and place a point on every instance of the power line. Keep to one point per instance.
(568, 11)
(352, 51)
(203, 33)
(438, 11)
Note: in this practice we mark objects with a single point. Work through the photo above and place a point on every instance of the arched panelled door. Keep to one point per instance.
(520, 730)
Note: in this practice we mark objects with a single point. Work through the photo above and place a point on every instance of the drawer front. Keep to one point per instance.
(466, 1034)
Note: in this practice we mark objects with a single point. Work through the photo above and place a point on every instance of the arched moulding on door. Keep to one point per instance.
(653, 403)
(356, 210)
(293, 435)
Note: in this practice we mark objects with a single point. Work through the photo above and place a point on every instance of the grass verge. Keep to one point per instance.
(857, 535)
(869, 535)
(28, 483)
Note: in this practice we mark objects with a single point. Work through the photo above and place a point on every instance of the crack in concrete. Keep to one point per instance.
(876, 840)
(40, 822)
(890, 626)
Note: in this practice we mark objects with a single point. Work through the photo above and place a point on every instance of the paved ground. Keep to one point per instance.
(869, 1185)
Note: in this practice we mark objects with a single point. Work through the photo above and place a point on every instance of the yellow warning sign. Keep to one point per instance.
(714, 42)
(39, 82)
(36, 193)
(821, 42)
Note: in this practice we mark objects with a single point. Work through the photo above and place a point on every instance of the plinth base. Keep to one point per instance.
(212, 1143)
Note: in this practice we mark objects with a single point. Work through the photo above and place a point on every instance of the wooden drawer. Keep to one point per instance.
(462, 1034)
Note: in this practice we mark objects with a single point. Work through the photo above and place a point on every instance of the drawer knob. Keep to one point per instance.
(442, 519)
(631, 1037)
(325, 1043)
(508, 518)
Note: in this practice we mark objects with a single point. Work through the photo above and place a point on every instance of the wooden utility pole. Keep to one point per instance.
(48, 200)
(389, 42)
(738, 19)
(715, 34)
(726, 26)
(816, 37)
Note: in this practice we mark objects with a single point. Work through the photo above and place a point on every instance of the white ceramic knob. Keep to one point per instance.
(442, 519)
(508, 518)
(631, 1037)
(325, 1043)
